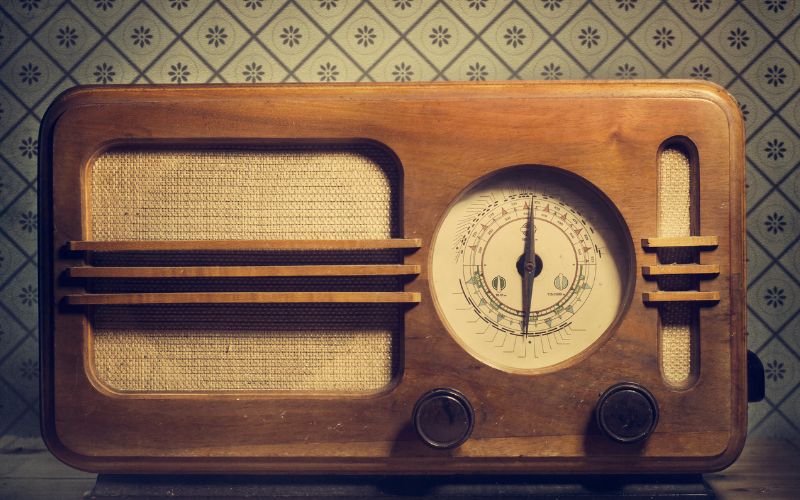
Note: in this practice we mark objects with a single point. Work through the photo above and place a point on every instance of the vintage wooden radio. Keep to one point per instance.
(433, 278)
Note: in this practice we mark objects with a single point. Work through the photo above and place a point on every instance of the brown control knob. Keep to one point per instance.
(443, 418)
(627, 413)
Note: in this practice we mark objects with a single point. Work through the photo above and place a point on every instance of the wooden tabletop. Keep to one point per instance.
(767, 469)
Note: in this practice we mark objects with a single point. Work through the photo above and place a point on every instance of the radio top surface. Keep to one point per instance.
(519, 277)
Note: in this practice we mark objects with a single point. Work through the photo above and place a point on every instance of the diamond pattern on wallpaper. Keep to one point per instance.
(41, 107)
(776, 15)
(515, 36)
(758, 334)
(756, 415)
(12, 333)
(791, 40)
(12, 407)
(68, 36)
(774, 298)
(754, 111)
(790, 337)
(775, 149)
(790, 408)
(140, 36)
(12, 37)
(11, 260)
(791, 110)
(179, 14)
(21, 296)
(403, 64)
(756, 185)
(626, 13)
(793, 185)
(30, 14)
(11, 111)
(12, 185)
(292, 36)
(477, 63)
(758, 260)
(402, 13)
(590, 38)
(19, 221)
(22, 367)
(553, 14)
(774, 75)
(440, 37)
(216, 36)
(664, 38)
(329, 14)
(700, 15)
(179, 64)
(701, 64)
(782, 374)
(752, 47)
(477, 14)
(104, 65)
(30, 74)
(775, 223)
(365, 35)
(104, 14)
(737, 38)
(20, 147)
(553, 63)
(626, 63)
(253, 65)
(328, 64)
(774, 425)
(253, 14)
(791, 262)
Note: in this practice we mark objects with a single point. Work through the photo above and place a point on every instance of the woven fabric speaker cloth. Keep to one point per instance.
(306, 192)
(270, 347)
(298, 193)
(674, 219)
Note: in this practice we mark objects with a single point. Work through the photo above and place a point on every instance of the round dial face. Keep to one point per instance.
(571, 272)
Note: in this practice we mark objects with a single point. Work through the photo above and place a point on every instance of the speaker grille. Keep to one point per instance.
(291, 193)
(270, 347)
(296, 192)
(675, 216)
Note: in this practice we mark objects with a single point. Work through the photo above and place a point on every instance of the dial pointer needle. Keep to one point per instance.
(529, 258)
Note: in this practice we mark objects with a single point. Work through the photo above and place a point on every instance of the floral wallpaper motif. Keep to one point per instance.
(751, 47)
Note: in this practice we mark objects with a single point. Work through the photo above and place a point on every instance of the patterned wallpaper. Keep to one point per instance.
(752, 48)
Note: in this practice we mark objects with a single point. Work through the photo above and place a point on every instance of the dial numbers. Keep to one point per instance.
(478, 274)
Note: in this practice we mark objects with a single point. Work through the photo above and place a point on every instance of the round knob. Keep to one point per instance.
(627, 413)
(443, 418)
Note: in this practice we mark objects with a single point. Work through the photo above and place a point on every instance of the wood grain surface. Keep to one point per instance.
(680, 269)
(680, 296)
(445, 136)
(680, 242)
(241, 245)
(242, 271)
(241, 297)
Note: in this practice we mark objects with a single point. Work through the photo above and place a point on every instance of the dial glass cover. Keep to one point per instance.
(579, 262)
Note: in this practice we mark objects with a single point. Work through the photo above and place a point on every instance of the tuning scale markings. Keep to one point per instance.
(577, 287)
